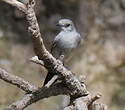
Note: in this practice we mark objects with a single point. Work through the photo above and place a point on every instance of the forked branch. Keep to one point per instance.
(70, 85)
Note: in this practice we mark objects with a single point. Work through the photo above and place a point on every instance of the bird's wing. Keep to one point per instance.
(54, 43)
(55, 51)
(53, 46)
(79, 38)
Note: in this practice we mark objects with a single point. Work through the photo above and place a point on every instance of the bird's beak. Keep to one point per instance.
(58, 24)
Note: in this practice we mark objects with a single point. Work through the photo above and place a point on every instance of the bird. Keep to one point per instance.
(64, 43)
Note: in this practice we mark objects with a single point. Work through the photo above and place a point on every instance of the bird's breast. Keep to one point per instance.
(69, 40)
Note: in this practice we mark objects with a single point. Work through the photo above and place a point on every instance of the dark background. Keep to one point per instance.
(101, 56)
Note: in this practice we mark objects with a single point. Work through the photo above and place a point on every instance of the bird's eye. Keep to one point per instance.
(67, 25)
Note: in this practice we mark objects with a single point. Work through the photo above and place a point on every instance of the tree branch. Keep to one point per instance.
(52, 65)
(16, 4)
(80, 98)
(55, 77)
(86, 103)
(36, 60)
(42, 93)
(15, 80)
(34, 95)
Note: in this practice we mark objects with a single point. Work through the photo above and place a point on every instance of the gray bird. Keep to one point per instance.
(66, 41)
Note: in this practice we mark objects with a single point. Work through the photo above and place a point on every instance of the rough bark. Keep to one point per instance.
(70, 85)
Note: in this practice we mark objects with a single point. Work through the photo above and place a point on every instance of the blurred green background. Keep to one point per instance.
(100, 57)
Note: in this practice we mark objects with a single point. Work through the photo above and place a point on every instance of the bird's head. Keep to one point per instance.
(66, 25)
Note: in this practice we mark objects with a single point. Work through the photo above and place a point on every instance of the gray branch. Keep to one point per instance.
(36, 60)
(42, 93)
(52, 65)
(16, 4)
(33, 94)
(15, 80)
(80, 97)
(86, 103)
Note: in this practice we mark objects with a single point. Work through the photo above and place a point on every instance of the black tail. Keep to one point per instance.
(48, 78)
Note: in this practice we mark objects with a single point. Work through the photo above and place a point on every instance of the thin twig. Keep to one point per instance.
(36, 60)
(54, 78)
(93, 99)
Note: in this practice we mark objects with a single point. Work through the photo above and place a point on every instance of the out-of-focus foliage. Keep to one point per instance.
(101, 56)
